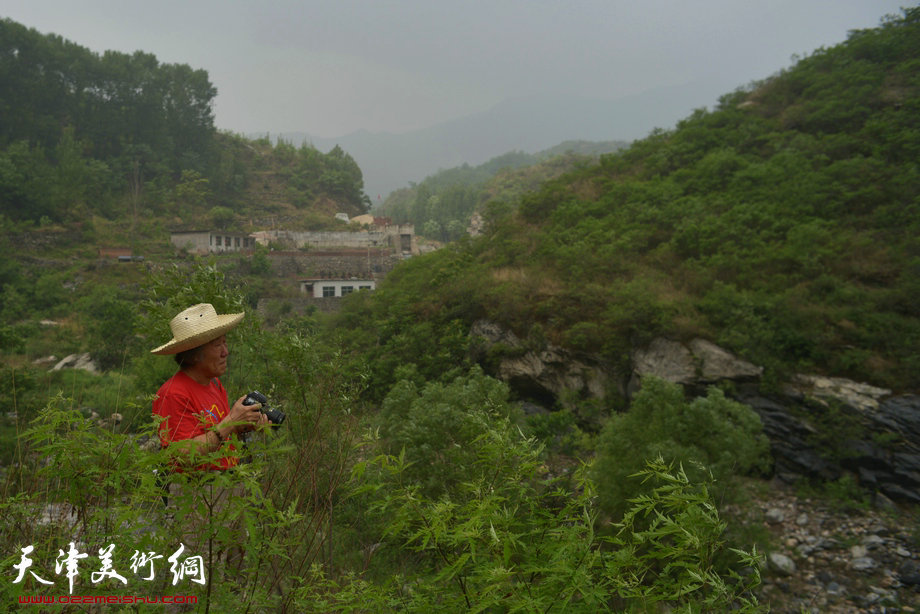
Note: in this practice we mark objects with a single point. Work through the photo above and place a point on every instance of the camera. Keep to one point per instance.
(275, 416)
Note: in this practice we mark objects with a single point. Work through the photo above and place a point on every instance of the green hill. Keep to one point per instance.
(782, 225)
(125, 137)
(441, 205)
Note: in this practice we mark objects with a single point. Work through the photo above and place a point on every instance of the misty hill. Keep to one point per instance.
(390, 161)
(442, 204)
(782, 225)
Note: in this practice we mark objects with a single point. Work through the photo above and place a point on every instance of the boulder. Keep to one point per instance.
(718, 364)
(545, 374)
(76, 361)
(781, 564)
(667, 359)
(699, 362)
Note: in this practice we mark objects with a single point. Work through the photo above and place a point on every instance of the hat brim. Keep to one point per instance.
(223, 324)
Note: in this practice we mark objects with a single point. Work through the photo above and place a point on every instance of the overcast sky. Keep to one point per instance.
(330, 68)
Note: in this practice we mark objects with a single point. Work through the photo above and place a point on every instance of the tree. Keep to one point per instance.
(708, 435)
(192, 190)
(222, 217)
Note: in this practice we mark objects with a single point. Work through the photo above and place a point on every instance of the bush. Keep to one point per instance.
(710, 434)
(515, 542)
(435, 427)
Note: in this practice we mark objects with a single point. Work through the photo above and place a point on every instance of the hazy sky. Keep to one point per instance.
(330, 68)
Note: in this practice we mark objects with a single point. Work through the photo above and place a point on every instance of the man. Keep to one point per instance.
(193, 402)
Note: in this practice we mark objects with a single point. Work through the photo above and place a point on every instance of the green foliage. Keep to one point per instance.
(415, 324)
(68, 461)
(436, 427)
(708, 435)
(512, 541)
(63, 101)
(667, 546)
(85, 133)
(110, 326)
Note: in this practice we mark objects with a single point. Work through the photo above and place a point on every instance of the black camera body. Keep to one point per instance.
(275, 416)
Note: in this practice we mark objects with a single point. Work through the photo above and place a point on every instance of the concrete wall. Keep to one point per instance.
(206, 241)
(400, 238)
(343, 263)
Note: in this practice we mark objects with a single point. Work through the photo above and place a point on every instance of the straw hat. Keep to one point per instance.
(196, 326)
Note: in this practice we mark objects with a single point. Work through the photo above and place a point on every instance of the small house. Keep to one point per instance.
(211, 241)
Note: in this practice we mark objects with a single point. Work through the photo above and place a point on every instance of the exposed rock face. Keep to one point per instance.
(860, 396)
(76, 361)
(819, 427)
(792, 440)
(546, 373)
(880, 446)
(701, 362)
(667, 359)
(717, 364)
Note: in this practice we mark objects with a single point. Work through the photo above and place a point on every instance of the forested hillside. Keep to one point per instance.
(782, 224)
(441, 205)
(125, 136)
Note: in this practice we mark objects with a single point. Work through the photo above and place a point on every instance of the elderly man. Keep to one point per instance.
(193, 402)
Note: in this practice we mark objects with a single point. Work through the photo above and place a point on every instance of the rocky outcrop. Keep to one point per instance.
(878, 445)
(76, 361)
(700, 361)
(544, 374)
(854, 394)
(819, 427)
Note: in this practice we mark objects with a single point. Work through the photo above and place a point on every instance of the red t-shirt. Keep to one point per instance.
(190, 410)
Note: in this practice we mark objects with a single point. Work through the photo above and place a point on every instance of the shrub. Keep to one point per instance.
(711, 434)
(435, 427)
(515, 542)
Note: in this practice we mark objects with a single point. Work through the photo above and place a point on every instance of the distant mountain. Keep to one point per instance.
(390, 161)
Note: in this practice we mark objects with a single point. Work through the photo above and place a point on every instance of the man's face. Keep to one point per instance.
(213, 360)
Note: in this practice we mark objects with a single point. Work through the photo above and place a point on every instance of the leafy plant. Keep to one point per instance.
(710, 434)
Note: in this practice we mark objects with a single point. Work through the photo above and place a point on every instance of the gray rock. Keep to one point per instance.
(76, 361)
(872, 541)
(855, 394)
(666, 359)
(718, 364)
(774, 515)
(781, 564)
(548, 373)
(863, 563)
(909, 573)
(858, 552)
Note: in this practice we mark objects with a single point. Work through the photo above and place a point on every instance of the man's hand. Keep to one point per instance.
(242, 418)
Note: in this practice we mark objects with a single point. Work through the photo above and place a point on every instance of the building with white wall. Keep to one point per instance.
(334, 288)
(211, 241)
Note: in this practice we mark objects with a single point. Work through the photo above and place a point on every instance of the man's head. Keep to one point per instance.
(194, 328)
(207, 360)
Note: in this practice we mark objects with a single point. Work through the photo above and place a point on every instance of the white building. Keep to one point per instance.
(334, 288)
